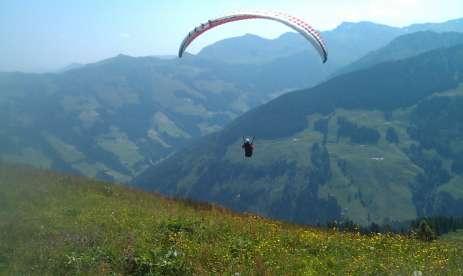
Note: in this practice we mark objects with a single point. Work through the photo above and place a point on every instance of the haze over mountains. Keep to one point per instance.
(351, 147)
(377, 145)
(347, 43)
(405, 46)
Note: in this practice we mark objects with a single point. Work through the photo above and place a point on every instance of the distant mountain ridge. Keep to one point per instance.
(74, 65)
(454, 25)
(405, 46)
(357, 146)
(254, 49)
(114, 118)
(346, 43)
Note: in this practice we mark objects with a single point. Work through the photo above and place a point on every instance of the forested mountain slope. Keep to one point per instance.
(377, 145)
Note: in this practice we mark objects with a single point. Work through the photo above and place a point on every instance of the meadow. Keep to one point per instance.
(54, 224)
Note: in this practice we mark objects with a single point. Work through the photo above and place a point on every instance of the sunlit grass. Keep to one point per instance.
(55, 224)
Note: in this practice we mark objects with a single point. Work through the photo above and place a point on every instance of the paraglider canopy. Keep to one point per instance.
(297, 24)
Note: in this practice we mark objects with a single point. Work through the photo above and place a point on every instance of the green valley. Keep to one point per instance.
(114, 118)
(371, 146)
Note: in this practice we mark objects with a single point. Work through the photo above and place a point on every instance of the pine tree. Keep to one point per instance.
(391, 136)
(424, 232)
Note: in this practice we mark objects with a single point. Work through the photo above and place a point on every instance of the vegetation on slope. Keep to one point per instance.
(57, 224)
(114, 118)
(405, 46)
(382, 151)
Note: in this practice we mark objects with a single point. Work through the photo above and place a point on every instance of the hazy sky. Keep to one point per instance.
(39, 35)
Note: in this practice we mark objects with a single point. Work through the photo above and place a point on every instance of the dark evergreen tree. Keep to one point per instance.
(322, 126)
(424, 232)
(457, 164)
(359, 135)
(425, 185)
(321, 169)
(391, 136)
(374, 228)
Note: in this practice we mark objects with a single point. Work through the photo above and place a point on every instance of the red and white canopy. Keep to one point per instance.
(297, 24)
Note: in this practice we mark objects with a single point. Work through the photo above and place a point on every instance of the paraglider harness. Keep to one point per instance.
(248, 147)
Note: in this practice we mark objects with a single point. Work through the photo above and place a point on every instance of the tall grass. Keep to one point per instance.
(58, 224)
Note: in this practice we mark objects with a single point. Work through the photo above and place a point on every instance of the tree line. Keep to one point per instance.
(423, 228)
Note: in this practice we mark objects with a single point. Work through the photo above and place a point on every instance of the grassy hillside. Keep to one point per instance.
(454, 237)
(57, 224)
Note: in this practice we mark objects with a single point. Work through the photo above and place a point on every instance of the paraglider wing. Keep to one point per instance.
(298, 25)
